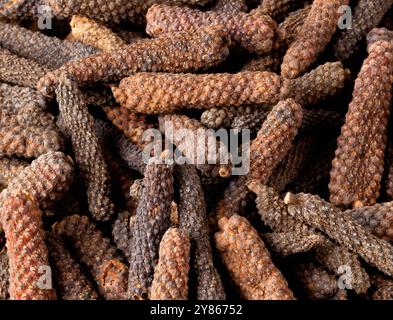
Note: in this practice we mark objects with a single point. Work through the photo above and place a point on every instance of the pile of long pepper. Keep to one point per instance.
(312, 218)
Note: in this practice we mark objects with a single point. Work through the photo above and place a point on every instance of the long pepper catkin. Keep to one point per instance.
(253, 32)
(47, 51)
(175, 52)
(26, 249)
(131, 154)
(10, 168)
(20, 71)
(69, 279)
(171, 273)
(4, 275)
(88, 152)
(152, 220)
(342, 228)
(198, 144)
(193, 219)
(92, 33)
(241, 249)
(292, 25)
(122, 231)
(367, 15)
(97, 254)
(355, 178)
(315, 34)
(277, 8)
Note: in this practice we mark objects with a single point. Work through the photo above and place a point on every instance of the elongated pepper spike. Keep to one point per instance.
(367, 15)
(241, 249)
(277, 8)
(18, 9)
(95, 252)
(255, 33)
(290, 28)
(152, 220)
(27, 253)
(46, 179)
(270, 63)
(122, 231)
(357, 170)
(20, 71)
(131, 154)
(316, 33)
(176, 52)
(274, 139)
(342, 228)
(171, 273)
(230, 6)
(378, 219)
(47, 51)
(131, 124)
(197, 143)
(10, 168)
(193, 219)
(156, 93)
(112, 11)
(94, 34)
(88, 152)
(4, 275)
(70, 281)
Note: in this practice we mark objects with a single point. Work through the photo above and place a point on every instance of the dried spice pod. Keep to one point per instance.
(177, 52)
(97, 35)
(70, 281)
(50, 52)
(10, 168)
(355, 178)
(252, 120)
(18, 9)
(198, 144)
(88, 152)
(241, 249)
(277, 8)
(19, 71)
(111, 12)
(152, 220)
(28, 142)
(274, 139)
(269, 63)
(95, 252)
(342, 228)
(168, 92)
(4, 275)
(131, 124)
(253, 32)
(171, 273)
(26, 249)
(292, 25)
(46, 179)
(230, 6)
(378, 219)
(322, 82)
(315, 34)
(16, 98)
(193, 219)
(315, 282)
(287, 243)
(366, 16)
(131, 154)
(383, 288)
(122, 231)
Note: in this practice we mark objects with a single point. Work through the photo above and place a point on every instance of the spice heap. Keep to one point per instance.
(196, 149)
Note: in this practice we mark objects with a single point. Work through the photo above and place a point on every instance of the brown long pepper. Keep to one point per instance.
(342, 228)
(193, 219)
(4, 275)
(30, 276)
(47, 51)
(197, 143)
(355, 178)
(277, 8)
(316, 33)
(10, 168)
(19, 71)
(152, 220)
(176, 52)
(292, 25)
(131, 154)
(70, 281)
(171, 273)
(122, 231)
(241, 249)
(96, 253)
(366, 16)
(253, 32)
(88, 152)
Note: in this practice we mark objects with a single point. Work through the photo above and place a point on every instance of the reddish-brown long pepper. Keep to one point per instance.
(253, 32)
(30, 276)
(355, 178)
